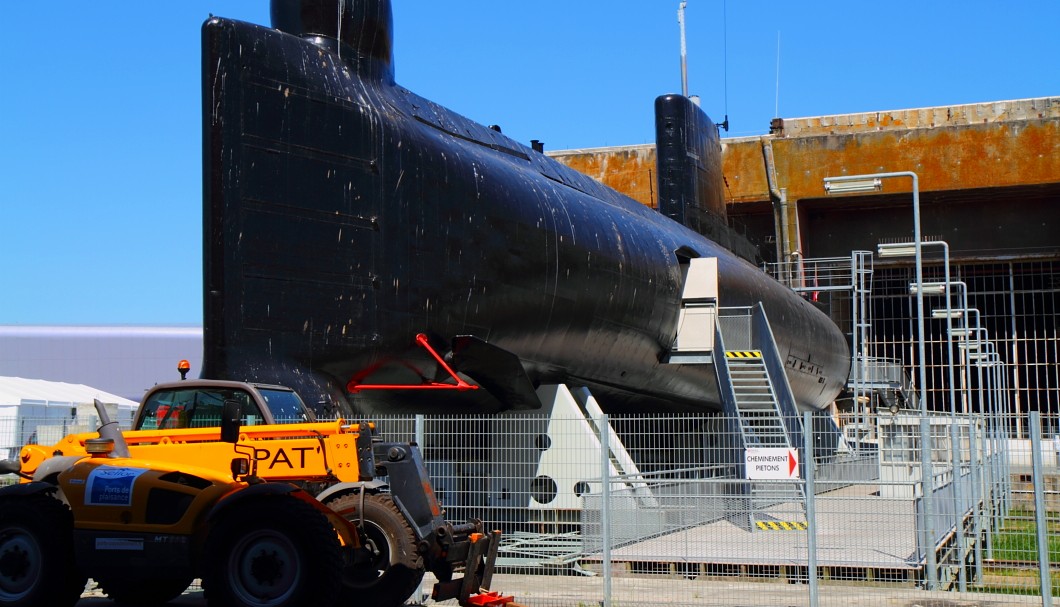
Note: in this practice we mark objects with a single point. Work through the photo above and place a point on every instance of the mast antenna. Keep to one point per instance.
(725, 59)
(684, 49)
(776, 108)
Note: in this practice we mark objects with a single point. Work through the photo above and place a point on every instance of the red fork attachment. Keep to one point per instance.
(491, 599)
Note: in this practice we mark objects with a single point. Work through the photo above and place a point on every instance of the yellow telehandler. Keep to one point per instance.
(236, 484)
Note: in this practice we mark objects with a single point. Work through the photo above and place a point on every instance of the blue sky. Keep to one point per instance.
(100, 127)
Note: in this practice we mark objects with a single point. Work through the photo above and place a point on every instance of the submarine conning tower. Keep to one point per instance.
(359, 31)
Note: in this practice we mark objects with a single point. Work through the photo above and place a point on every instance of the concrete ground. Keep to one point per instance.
(652, 591)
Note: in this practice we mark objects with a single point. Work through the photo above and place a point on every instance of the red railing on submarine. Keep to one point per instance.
(354, 384)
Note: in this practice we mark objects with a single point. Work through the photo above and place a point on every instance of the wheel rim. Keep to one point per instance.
(20, 563)
(378, 544)
(265, 568)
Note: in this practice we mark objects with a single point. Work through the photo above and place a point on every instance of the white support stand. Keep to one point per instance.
(619, 455)
(569, 466)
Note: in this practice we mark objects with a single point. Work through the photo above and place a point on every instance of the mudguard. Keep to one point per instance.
(10, 466)
(56, 465)
(344, 528)
(27, 489)
(374, 486)
(250, 491)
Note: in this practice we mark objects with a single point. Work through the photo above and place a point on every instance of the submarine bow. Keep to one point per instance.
(344, 215)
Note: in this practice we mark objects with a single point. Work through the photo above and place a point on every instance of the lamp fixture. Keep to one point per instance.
(930, 288)
(896, 249)
(844, 185)
(944, 313)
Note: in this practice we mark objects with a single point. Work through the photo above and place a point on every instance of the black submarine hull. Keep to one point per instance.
(344, 215)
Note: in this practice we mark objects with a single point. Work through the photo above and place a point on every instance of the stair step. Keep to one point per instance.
(775, 429)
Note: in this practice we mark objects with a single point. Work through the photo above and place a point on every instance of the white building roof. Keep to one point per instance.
(13, 390)
(125, 360)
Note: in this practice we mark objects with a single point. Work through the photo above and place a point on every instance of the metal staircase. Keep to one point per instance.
(756, 402)
(763, 425)
(752, 383)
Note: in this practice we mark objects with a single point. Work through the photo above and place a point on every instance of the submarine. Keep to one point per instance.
(382, 254)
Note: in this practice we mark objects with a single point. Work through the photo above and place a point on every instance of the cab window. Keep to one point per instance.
(285, 405)
(195, 408)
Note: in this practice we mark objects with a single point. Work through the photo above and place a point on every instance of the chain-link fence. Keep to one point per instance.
(638, 510)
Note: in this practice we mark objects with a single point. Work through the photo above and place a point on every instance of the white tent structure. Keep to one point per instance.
(39, 411)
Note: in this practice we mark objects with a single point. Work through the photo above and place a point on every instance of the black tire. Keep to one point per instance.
(150, 591)
(396, 567)
(37, 565)
(274, 551)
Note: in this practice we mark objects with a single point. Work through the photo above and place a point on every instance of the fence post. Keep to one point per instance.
(605, 506)
(1045, 579)
(811, 506)
(977, 496)
(988, 483)
(927, 490)
(986, 451)
(957, 467)
(1010, 413)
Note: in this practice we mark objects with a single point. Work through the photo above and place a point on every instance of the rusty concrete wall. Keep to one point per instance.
(1006, 143)
(1018, 110)
(958, 150)
(630, 170)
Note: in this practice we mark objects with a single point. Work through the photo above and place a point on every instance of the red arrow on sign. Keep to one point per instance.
(792, 463)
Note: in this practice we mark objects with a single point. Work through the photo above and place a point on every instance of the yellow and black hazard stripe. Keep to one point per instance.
(781, 526)
(743, 354)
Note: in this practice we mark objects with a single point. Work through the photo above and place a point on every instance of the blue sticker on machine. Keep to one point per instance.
(110, 486)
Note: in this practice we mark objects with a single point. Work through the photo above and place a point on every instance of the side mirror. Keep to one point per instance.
(240, 467)
(230, 416)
